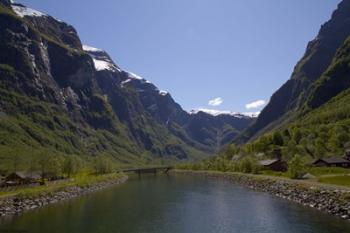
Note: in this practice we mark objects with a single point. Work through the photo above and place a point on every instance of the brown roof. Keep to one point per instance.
(26, 175)
(268, 162)
(332, 160)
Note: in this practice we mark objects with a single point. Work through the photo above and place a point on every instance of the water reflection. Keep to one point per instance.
(176, 204)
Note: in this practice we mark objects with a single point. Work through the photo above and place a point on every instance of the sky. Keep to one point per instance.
(227, 55)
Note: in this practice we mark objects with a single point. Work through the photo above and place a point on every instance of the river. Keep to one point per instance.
(175, 204)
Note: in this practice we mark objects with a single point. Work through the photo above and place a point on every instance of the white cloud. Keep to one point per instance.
(216, 102)
(255, 104)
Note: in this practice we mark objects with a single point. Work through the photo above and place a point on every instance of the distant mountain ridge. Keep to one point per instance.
(66, 98)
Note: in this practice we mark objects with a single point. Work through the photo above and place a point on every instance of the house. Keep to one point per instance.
(332, 162)
(20, 178)
(273, 164)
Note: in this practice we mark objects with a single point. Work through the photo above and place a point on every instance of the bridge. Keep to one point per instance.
(148, 170)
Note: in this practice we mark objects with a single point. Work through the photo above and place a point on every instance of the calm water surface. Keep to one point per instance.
(175, 204)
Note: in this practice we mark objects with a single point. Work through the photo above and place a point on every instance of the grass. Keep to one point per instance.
(343, 180)
(81, 180)
(316, 171)
(274, 173)
(322, 171)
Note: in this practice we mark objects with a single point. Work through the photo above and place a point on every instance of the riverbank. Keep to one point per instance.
(331, 199)
(28, 199)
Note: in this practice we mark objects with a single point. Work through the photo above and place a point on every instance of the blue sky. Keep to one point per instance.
(233, 52)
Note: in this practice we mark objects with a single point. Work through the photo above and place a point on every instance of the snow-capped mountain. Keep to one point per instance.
(214, 112)
(75, 99)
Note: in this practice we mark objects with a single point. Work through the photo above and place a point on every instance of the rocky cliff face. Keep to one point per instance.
(292, 96)
(61, 96)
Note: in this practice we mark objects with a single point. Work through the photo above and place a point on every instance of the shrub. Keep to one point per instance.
(296, 167)
(103, 165)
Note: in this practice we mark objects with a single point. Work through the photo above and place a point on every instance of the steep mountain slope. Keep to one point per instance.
(199, 130)
(59, 97)
(306, 76)
(320, 126)
(335, 80)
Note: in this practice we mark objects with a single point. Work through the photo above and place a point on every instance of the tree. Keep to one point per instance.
(277, 139)
(320, 148)
(103, 165)
(246, 165)
(297, 135)
(50, 165)
(230, 151)
(296, 167)
(71, 165)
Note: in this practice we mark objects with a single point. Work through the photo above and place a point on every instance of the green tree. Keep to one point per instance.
(246, 165)
(51, 166)
(320, 148)
(297, 136)
(103, 165)
(296, 167)
(277, 139)
(71, 165)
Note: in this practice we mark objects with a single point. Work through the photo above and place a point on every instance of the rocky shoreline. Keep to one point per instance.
(330, 200)
(16, 205)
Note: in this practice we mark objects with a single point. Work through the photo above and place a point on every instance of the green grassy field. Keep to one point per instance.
(321, 171)
(81, 180)
(343, 180)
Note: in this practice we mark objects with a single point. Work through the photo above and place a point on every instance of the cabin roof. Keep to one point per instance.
(332, 160)
(26, 175)
(268, 162)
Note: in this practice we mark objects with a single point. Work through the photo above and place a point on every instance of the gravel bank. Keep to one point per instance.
(16, 205)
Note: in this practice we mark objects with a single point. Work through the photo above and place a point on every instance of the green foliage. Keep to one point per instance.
(277, 139)
(79, 180)
(221, 163)
(103, 165)
(71, 165)
(296, 167)
(320, 133)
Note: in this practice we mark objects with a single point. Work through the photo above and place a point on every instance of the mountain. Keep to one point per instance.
(316, 78)
(60, 97)
(310, 114)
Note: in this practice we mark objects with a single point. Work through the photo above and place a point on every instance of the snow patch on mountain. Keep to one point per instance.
(103, 65)
(163, 93)
(100, 59)
(88, 48)
(134, 76)
(137, 77)
(23, 11)
(214, 112)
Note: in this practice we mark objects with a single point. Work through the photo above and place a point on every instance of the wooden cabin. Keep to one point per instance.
(274, 165)
(21, 178)
(332, 162)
